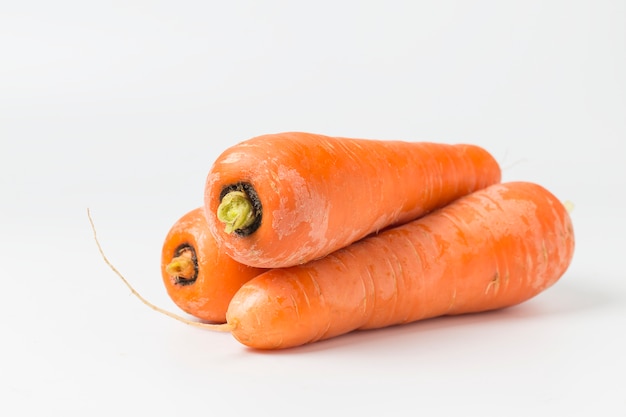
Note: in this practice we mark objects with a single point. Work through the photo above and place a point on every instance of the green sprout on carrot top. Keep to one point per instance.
(235, 211)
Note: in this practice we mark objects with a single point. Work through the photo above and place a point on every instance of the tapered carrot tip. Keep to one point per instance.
(182, 267)
(235, 211)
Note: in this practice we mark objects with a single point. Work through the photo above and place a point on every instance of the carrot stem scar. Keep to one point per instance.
(184, 265)
(181, 267)
(236, 211)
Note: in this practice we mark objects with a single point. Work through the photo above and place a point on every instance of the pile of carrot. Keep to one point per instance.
(304, 237)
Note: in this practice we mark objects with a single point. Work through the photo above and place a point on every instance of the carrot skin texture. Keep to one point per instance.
(319, 193)
(492, 249)
(218, 276)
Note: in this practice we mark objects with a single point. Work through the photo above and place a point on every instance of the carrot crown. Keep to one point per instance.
(236, 211)
(184, 265)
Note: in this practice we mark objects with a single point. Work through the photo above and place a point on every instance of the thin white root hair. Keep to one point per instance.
(226, 327)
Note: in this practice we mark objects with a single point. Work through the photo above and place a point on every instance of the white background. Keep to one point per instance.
(122, 106)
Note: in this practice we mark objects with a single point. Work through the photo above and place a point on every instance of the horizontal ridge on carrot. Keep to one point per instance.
(197, 275)
(494, 248)
(284, 199)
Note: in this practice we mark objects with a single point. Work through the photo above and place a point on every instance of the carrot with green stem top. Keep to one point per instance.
(494, 248)
(197, 275)
(285, 199)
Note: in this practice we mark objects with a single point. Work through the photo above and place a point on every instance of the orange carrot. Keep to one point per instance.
(494, 248)
(198, 276)
(285, 199)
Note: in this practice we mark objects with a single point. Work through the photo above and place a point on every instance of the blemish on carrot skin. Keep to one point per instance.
(544, 250)
(234, 157)
(294, 304)
(452, 301)
(494, 283)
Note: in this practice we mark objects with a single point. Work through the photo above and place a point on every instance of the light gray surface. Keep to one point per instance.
(122, 107)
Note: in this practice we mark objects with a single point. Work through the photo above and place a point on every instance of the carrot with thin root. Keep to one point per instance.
(284, 199)
(494, 248)
(197, 275)
(220, 327)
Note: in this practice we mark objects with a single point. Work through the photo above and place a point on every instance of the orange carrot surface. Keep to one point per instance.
(494, 248)
(285, 199)
(199, 277)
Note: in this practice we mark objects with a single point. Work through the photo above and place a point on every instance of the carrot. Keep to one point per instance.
(494, 248)
(284, 199)
(198, 276)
